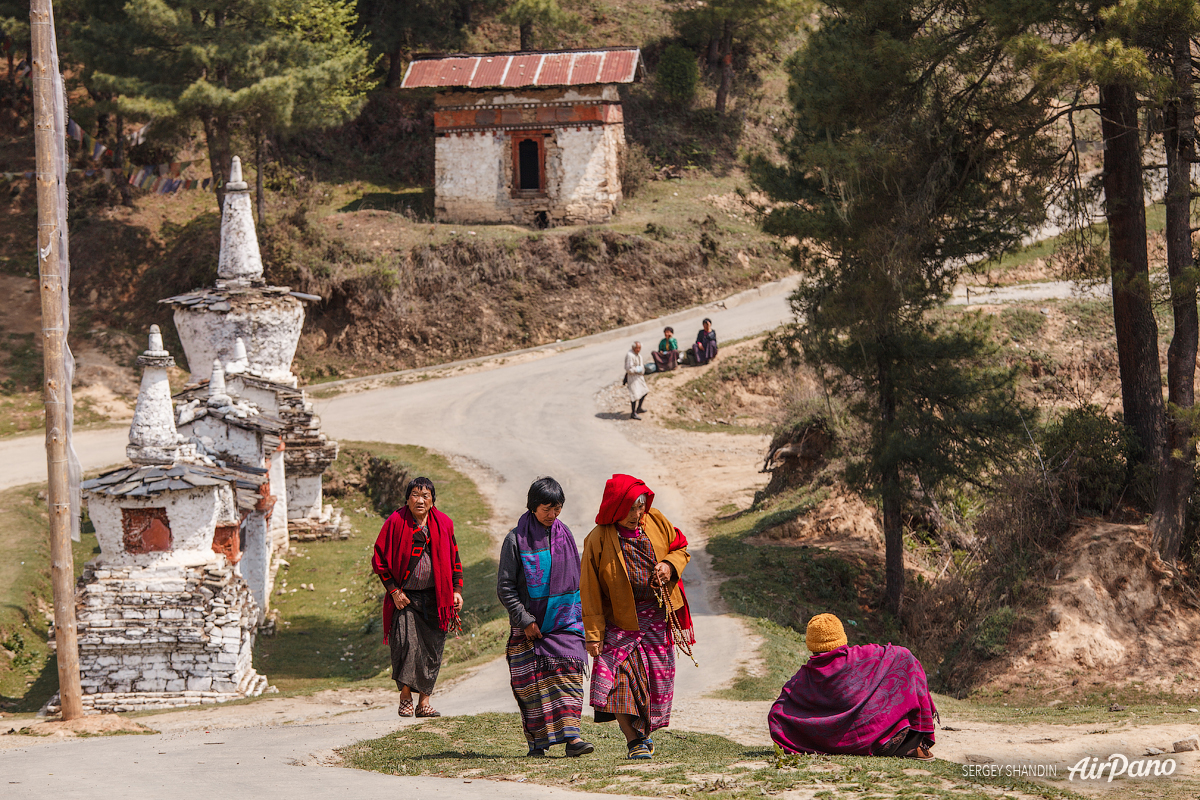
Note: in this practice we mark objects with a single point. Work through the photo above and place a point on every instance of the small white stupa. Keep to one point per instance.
(268, 319)
(165, 616)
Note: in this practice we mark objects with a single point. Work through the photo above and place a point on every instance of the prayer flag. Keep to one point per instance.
(74, 131)
(98, 151)
(204, 186)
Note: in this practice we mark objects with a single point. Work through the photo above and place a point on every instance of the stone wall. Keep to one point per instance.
(158, 637)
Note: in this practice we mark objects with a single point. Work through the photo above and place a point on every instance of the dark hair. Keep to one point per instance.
(423, 483)
(544, 492)
(668, 329)
(706, 319)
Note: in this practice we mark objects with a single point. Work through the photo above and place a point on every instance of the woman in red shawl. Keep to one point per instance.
(416, 557)
(632, 551)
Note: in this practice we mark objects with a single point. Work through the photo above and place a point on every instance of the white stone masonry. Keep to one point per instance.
(152, 435)
(239, 261)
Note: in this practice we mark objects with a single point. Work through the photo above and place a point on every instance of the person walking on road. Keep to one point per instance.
(635, 380)
(632, 560)
(416, 558)
(538, 582)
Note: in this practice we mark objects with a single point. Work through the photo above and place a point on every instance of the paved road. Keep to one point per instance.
(518, 422)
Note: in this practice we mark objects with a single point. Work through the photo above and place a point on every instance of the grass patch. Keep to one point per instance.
(492, 746)
(29, 676)
(330, 636)
(786, 584)
(782, 653)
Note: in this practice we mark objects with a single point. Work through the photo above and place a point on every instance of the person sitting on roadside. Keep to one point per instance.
(666, 357)
(705, 348)
(861, 700)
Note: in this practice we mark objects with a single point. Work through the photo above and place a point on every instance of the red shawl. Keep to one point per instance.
(393, 549)
(619, 494)
(683, 614)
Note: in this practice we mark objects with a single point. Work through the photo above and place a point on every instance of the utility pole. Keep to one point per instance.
(48, 139)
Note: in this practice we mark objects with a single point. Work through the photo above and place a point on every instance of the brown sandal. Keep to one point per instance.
(405, 709)
(427, 711)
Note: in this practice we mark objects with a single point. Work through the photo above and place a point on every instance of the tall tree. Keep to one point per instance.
(1102, 46)
(545, 15)
(399, 28)
(914, 146)
(288, 65)
(1181, 22)
(722, 25)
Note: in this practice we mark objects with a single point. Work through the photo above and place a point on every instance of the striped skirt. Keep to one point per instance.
(635, 673)
(549, 693)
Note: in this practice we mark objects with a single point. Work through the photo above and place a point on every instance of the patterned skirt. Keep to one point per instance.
(635, 673)
(549, 693)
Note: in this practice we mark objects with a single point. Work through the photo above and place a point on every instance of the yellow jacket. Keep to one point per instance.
(604, 582)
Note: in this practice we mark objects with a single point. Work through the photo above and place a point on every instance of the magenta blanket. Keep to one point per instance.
(852, 700)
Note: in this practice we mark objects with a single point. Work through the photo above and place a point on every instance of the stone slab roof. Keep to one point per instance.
(145, 481)
(223, 298)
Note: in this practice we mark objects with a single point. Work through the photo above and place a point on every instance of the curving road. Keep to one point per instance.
(516, 421)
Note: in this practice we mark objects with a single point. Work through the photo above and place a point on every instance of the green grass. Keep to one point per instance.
(30, 676)
(329, 638)
(787, 584)
(782, 653)
(492, 746)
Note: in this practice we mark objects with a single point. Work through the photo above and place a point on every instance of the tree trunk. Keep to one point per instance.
(726, 68)
(1136, 330)
(712, 55)
(395, 73)
(258, 178)
(893, 526)
(220, 156)
(119, 165)
(526, 29)
(1179, 137)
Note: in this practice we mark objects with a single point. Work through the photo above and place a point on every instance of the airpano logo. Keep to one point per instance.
(1091, 768)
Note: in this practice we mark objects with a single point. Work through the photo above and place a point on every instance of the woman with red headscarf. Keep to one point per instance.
(631, 558)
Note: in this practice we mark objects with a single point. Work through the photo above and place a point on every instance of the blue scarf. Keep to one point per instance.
(551, 565)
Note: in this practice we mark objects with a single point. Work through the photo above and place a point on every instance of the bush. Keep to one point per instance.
(677, 75)
(1089, 452)
(635, 167)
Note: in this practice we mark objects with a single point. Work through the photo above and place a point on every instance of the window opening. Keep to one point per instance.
(529, 166)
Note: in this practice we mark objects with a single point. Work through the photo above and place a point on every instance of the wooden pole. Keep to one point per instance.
(62, 566)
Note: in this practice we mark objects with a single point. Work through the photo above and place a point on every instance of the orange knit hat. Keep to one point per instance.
(825, 633)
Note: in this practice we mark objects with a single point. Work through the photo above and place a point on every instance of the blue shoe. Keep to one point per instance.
(646, 740)
(638, 750)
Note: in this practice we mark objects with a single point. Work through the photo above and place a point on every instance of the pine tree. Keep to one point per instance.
(278, 66)
(722, 25)
(546, 15)
(914, 146)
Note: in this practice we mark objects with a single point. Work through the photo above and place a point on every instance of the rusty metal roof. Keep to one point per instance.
(515, 70)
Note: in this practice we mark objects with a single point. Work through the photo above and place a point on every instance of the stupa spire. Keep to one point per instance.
(239, 261)
(217, 394)
(152, 435)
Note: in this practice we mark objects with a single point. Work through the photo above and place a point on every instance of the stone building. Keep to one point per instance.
(535, 138)
(251, 330)
(165, 617)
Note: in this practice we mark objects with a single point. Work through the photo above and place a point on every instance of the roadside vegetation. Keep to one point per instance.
(491, 746)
